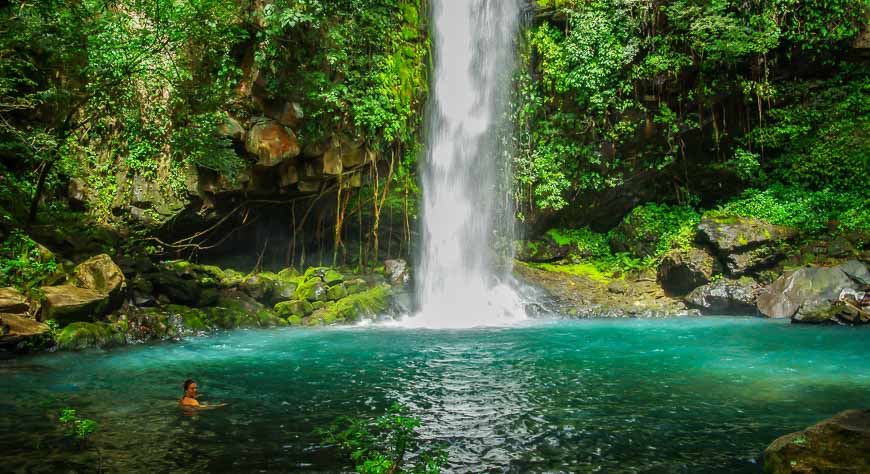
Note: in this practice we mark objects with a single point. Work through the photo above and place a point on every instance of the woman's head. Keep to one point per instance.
(189, 388)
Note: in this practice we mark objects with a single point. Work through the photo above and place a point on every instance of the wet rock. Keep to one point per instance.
(177, 289)
(725, 297)
(837, 445)
(801, 294)
(396, 271)
(15, 328)
(683, 270)
(291, 115)
(12, 301)
(745, 244)
(332, 277)
(368, 304)
(68, 303)
(271, 143)
(100, 274)
(84, 335)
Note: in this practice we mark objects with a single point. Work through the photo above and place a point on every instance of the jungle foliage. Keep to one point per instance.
(772, 92)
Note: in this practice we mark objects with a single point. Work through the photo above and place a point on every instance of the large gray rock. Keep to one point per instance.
(837, 445)
(12, 301)
(683, 270)
(15, 328)
(802, 293)
(725, 297)
(68, 303)
(745, 244)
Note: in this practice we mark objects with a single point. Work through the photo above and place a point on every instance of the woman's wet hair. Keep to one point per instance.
(187, 384)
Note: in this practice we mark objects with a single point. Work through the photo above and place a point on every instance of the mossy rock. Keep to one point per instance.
(356, 286)
(294, 308)
(331, 277)
(294, 320)
(311, 290)
(315, 273)
(192, 318)
(351, 309)
(317, 305)
(83, 335)
(289, 273)
(266, 318)
(232, 279)
(336, 292)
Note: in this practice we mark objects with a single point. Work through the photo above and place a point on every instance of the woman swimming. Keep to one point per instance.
(188, 400)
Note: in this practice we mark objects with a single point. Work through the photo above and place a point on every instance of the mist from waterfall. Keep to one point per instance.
(466, 210)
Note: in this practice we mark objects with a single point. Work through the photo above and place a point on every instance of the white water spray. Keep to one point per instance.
(458, 284)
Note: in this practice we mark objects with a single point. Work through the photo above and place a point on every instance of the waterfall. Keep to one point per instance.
(459, 283)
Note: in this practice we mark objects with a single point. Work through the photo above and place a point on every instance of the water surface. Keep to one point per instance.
(675, 395)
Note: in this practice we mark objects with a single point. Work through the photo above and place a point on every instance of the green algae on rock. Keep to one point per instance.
(837, 445)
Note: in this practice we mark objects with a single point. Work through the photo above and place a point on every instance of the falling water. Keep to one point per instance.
(459, 284)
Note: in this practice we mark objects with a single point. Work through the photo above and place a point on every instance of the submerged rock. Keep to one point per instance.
(837, 445)
(12, 301)
(683, 270)
(725, 297)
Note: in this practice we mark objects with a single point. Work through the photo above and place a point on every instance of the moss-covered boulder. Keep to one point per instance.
(332, 277)
(357, 285)
(744, 244)
(336, 292)
(68, 303)
(312, 273)
(683, 270)
(837, 445)
(300, 308)
(353, 308)
(12, 301)
(311, 290)
(83, 335)
(194, 319)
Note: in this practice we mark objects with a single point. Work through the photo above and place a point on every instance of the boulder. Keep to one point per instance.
(837, 445)
(683, 270)
(68, 303)
(353, 308)
(396, 271)
(744, 244)
(232, 129)
(101, 275)
(801, 293)
(15, 328)
(725, 297)
(311, 290)
(300, 308)
(12, 301)
(271, 143)
(336, 292)
(291, 114)
(541, 250)
(84, 335)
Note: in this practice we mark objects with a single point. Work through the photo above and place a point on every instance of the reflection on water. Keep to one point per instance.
(683, 395)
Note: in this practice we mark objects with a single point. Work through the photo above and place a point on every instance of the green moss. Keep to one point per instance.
(288, 273)
(311, 290)
(294, 320)
(585, 269)
(299, 308)
(331, 277)
(336, 292)
(83, 335)
(355, 307)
